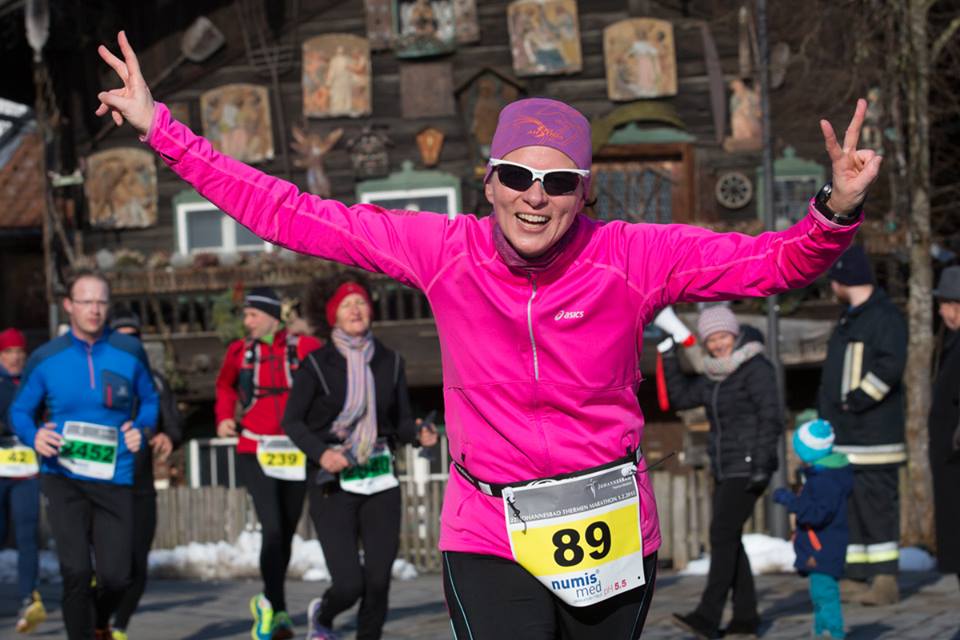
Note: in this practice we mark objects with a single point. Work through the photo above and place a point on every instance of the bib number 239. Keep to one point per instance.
(581, 536)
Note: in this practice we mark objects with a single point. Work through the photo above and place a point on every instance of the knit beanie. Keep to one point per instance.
(852, 268)
(714, 319)
(124, 318)
(12, 339)
(545, 123)
(265, 299)
(813, 440)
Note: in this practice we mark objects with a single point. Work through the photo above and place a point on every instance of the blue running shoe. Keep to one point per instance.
(262, 612)
(315, 630)
(282, 626)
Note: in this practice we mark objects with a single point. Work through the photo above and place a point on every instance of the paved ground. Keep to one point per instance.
(173, 609)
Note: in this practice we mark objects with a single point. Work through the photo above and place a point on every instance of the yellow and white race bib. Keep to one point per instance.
(89, 450)
(17, 460)
(580, 536)
(281, 459)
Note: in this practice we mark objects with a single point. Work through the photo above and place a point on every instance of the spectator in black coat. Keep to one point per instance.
(738, 389)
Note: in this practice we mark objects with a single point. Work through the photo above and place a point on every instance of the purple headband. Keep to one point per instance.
(546, 123)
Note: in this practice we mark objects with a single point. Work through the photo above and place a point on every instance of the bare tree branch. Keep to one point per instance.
(943, 39)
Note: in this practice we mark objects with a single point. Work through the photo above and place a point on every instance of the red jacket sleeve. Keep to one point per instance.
(226, 406)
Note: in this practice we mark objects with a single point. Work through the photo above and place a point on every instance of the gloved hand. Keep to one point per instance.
(757, 483)
(783, 496)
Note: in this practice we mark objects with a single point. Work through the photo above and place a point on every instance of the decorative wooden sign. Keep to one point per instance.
(379, 23)
(236, 120)
(465, 19)
(424, 27)
(336, 76)
(544, 37)
(426, 90)
(121, 189)
(430, 142)
(640, 59)
(480, 100)
(368, 153)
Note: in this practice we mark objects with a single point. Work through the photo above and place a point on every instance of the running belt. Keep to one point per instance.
(496, 490)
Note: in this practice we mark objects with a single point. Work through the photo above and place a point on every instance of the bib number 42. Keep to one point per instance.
(569, 553)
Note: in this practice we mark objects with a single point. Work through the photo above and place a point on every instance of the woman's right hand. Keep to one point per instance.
(333, 461)
(133, 101)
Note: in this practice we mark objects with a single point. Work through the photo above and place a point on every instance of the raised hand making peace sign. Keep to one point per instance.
(133, 101)
(854, 170)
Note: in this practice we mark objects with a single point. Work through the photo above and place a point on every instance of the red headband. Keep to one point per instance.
(342, 292)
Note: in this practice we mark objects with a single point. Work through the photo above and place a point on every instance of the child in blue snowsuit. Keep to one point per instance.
(822, 532)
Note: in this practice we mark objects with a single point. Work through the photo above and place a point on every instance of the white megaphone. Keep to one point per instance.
(670, 323)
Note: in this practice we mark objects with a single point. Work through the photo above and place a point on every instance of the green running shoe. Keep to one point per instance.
(119, 634)
(262, 612)
(282, 626)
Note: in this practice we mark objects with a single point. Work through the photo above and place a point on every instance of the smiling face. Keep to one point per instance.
(12, 360)
(353, 315)
(720, 343)
(531, 220)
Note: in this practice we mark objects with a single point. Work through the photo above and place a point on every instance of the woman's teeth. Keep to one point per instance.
(530, 218)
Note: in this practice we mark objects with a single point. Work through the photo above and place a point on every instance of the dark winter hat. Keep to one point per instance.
(265, 299)
(852, 268)
(124, 318)
(949, 286)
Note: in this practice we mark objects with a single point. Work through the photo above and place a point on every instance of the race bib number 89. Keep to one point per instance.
(580, 537)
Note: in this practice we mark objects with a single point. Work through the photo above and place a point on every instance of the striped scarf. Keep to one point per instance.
(356, 425)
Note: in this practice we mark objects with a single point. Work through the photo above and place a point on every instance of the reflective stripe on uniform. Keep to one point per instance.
(874, 387)
(852, 368)
(872, 553)
(873, 454)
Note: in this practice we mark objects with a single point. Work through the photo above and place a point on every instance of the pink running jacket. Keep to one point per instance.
(540, 374)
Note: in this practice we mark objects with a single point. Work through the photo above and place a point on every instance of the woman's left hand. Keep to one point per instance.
(854, 170)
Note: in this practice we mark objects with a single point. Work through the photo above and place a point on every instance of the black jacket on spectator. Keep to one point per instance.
(866, 356)
(743, 411)
(320, 389)
(170, 422)
(944, 459)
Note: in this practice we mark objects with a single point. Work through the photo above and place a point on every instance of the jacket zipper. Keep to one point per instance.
(716, 415)
(533, 342)
(93, 382)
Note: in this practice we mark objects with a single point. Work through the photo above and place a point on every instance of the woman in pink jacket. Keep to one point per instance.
(540, 313)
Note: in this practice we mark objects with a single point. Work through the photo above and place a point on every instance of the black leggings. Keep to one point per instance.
(84, 514)
(144, 528)
(278, 504)
(492, 598)
(342, 520)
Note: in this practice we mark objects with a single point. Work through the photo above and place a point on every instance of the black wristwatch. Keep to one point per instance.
(820, 202)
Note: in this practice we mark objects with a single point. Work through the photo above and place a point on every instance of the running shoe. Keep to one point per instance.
(315, 630)
(262, 612)
(282, 626)
(32, 614)
(119, 634)
(103, 634)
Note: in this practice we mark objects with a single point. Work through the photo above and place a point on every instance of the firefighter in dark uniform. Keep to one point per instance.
(862, 396)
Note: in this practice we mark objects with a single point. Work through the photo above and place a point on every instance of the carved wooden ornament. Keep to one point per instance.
(121, 189)
(430, 142)
(379, 23)
(336, 76)
(236, 120)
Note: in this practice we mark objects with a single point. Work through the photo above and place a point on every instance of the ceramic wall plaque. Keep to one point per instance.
(424, 27)
(379, 15)
(465, 15)
(544, 37)
(236, 120)
(430, 142)
(640, 59)
(336, 76)
(121, 189)
(480, 100)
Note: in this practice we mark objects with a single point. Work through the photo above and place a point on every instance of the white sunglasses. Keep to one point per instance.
(520, 177)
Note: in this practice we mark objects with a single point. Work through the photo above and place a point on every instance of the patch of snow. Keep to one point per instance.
(767, 555)
(224, 561)
(49, 567)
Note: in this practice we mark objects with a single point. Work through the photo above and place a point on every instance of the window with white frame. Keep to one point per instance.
(203, 228)
(436, 199)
